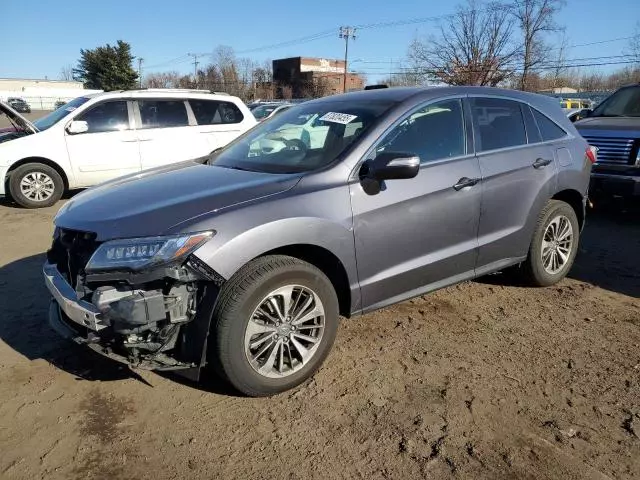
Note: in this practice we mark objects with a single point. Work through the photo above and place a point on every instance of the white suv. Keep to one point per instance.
(98, 137)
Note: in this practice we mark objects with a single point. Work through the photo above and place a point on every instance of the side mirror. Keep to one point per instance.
(77, 126)
(392, 166)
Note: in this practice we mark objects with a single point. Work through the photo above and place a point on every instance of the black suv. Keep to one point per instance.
(614, 127)
(19, 105)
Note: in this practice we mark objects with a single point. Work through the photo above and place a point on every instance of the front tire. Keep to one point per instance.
(35, 185)
(274, 324)
(554, 245)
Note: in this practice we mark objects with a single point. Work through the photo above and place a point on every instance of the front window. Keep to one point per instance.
(57, 115)
(107, 117)
(623, 103)
(303, 138)
(433, 132)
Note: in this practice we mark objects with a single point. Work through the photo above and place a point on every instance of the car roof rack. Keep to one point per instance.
(172, 90)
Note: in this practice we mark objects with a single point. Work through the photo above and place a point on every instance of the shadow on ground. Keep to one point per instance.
(609, 252)
(24, 327)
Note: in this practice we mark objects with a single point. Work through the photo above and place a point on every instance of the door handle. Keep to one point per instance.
(465, 182)
(541, 162)
(129, 140)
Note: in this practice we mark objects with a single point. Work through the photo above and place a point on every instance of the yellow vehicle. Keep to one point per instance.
(574, 103)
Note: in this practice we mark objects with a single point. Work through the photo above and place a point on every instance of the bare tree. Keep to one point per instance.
(559, 71)
(535, 18)
(162, 80)
(66, 73)
(473, 48)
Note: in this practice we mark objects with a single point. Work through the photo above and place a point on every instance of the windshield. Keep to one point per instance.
(623, 103)
(303, 138)
(263, 111)
(58, 114)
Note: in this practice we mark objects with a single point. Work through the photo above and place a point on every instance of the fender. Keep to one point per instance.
(228, 257)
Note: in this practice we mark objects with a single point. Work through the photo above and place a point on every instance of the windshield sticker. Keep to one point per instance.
(335, 117)
(70, 109)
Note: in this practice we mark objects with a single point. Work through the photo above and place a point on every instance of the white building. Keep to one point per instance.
(41, 94)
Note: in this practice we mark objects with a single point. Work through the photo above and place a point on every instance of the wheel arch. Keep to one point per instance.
(575, 201)
(326, 262)
(44, 161)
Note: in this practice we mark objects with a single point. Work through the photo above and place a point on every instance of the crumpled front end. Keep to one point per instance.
(153, 318)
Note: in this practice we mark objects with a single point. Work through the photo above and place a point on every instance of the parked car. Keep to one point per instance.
(244, 262)
(99, 137)
(614, 127)
(578, 114)
(19, 105)
(266, 110)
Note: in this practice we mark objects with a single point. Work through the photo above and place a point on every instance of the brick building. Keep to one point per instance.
(301, 77)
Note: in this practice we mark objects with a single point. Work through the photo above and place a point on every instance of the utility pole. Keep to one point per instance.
(346, 33)
(195, 67)
(140, 60)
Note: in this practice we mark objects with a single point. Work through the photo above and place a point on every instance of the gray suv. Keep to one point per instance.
(245, 259)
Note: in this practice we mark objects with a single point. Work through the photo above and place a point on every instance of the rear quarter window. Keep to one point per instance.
(549, 130)
(215, 112)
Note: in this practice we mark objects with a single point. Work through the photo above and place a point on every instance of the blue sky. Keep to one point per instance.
(45, 36)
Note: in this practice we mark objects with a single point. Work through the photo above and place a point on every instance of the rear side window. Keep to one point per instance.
(163, 113)
(106, 117)
(548, 128)
(498, 123)
(213, 112)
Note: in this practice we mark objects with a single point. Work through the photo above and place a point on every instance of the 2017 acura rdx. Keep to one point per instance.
(245, 259)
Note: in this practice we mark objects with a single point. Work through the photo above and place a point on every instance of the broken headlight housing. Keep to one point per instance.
(141, 253)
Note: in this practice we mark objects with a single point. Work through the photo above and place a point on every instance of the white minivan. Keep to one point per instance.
(98, 137)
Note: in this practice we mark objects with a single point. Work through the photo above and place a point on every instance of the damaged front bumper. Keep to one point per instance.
(154, 326)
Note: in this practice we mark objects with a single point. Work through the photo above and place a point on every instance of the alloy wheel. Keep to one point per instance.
(557, 244)
(284, 331)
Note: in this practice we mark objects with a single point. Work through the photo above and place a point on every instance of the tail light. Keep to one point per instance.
(592, 153)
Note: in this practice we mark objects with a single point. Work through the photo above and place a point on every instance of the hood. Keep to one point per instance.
(17, 118)
(621, 124)
(150, 203)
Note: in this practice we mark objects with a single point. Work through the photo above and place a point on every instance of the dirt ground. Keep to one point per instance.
(481, 380)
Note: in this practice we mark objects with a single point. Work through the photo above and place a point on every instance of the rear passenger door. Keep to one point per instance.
(165, 132)
(218, 122)
(518, 176)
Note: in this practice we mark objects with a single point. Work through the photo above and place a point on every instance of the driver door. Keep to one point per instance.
(419, 234)
(109, 148)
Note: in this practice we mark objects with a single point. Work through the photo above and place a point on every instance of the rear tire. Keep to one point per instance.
(554, 245)
(273, 325)
(35, 185)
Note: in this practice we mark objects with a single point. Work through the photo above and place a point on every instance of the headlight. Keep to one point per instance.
(140, 253)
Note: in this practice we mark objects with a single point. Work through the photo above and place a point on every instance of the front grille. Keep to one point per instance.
(70, 252)
(614, 150)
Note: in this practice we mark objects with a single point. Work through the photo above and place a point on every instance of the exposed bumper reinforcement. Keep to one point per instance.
(81, 312)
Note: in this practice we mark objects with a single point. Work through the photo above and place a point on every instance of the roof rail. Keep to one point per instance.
(177, 90)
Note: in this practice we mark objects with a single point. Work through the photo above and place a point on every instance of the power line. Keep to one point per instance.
(180, 59)
(433, 70)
